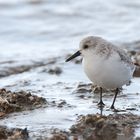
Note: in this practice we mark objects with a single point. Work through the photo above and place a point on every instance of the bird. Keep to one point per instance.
(105, 64)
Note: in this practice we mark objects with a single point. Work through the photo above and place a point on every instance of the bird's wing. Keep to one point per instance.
(125, 58)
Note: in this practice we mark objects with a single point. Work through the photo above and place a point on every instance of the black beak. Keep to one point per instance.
(73, 56)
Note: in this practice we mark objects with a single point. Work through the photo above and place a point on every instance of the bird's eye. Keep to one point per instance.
(85, 46)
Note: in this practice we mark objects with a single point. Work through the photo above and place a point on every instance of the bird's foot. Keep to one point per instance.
(101, 104)
(114, 109)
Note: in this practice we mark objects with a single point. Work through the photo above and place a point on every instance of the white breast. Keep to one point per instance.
(108, 73)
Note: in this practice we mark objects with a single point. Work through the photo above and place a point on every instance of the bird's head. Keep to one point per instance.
(87, 46)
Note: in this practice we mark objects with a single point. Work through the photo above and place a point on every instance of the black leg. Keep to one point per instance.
(101, 101)
(116, 93)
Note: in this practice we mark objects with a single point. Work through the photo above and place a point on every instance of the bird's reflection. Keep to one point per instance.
(101, 108)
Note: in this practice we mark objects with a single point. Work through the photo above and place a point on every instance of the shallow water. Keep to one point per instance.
(63, 87)
(32, 31)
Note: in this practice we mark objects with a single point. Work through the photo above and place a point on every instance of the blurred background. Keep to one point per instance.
(34, 29)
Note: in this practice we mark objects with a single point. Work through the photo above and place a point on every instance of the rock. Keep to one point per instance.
(59, 136)
(60, 104)
(20, 68)
(96, 127)
(83, 88)
(55, 70)
(18, 101)
(13, 133)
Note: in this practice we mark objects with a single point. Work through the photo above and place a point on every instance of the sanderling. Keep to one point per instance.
(105, 64)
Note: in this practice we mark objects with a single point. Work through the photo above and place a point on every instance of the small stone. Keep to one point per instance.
(56, 70)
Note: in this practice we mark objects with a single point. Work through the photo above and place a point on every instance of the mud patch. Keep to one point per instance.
(135, 55)
(15, 68)
(53, 70)
(55, 134)
(60, 104)
(13, 133)
(59, 135)
(83, 88)
(137, 71)
(18, 101)
(113, 127)
(136, 59)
